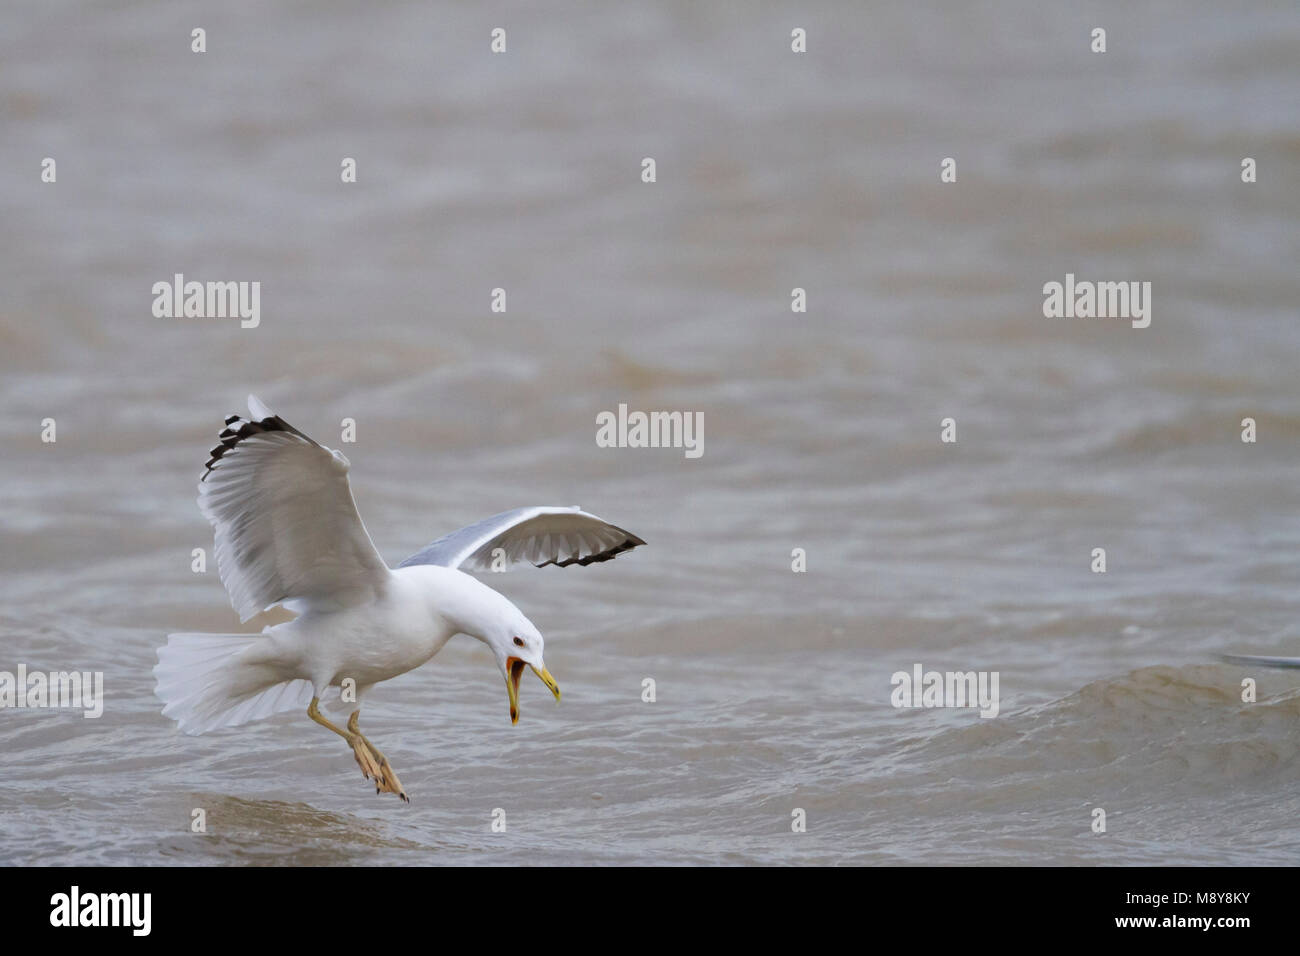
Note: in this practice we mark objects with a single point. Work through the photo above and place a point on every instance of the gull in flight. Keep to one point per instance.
(288, 533)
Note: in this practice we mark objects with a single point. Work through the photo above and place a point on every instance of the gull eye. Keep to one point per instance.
(519, 641)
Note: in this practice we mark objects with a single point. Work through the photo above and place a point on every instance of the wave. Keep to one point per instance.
(1171, 726)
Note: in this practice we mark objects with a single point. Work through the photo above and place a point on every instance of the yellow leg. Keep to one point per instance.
(313, 711)
(386, 777)
(374, 765)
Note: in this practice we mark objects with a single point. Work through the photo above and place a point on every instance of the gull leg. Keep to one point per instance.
(386, 779)
(371, 768)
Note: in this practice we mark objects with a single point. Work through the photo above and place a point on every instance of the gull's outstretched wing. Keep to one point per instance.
(287, 529)
(542, 535)
(1247, 660)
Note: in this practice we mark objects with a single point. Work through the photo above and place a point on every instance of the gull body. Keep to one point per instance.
(408, 622)
(288, 533)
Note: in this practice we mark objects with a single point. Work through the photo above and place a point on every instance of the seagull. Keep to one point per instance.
(287, 533)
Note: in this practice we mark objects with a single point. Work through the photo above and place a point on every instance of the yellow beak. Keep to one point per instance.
(514, 671)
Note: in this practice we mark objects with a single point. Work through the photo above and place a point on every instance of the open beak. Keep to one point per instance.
(514, 671)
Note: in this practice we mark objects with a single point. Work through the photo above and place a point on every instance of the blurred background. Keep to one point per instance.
(775, 170)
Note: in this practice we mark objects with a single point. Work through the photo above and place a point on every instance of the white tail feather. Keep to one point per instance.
(210, 681)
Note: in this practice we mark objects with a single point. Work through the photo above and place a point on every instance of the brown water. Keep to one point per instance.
(775, 170)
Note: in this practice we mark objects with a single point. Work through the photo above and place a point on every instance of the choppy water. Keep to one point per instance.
(821, 430)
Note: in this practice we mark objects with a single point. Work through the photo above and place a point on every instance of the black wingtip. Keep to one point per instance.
(609, 554)
(232, 436)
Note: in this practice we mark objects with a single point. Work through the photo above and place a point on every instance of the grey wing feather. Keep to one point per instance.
(541, 535)
(285, 525)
